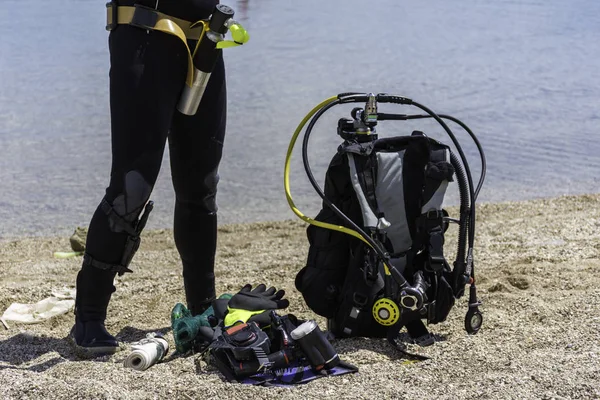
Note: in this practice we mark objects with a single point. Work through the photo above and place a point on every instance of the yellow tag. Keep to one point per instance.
(225, 44)
(67, 254)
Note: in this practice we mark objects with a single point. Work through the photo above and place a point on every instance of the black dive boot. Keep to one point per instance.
(94, 289)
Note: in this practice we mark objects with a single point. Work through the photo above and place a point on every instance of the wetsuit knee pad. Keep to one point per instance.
(203, 196)
(208, 202)
(124, 217)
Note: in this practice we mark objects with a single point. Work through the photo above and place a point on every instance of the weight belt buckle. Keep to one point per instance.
(112, 19)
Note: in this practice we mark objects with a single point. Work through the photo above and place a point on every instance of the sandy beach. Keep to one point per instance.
(538, 273)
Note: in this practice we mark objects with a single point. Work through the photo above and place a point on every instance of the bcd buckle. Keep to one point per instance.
(112, 19)
(432, 219)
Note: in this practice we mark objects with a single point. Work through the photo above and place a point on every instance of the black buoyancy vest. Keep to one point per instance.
(393, 187)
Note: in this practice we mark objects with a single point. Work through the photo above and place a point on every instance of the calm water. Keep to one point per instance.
(524, 75)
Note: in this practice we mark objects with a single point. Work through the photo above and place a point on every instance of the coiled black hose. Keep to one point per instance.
(459, 264)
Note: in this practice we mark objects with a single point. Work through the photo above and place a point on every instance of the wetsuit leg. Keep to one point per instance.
(196, 146)
(147, 74)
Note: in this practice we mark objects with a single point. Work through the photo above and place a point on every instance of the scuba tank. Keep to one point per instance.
(207, 52)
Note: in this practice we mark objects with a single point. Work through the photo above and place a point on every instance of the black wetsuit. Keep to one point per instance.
(147, 75)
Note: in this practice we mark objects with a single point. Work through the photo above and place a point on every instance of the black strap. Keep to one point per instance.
(118, 220)
(415, 159)
(393, 339)
(351, 321)
(90, 261)
(356, 309)
(131, 244)
(430, 234)
(430, 225)
(419, 333)
(133, 229)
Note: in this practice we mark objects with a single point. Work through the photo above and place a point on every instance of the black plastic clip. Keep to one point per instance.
(112, 18)
(436, 254)
(434, 216)
(144, 17)
(360, 300)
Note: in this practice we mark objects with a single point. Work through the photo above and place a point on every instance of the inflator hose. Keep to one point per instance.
(459, 264)
(479, 149)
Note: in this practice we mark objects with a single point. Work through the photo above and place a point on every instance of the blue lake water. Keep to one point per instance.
(524, 75)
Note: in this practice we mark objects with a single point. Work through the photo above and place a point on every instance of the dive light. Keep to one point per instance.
(207, 52)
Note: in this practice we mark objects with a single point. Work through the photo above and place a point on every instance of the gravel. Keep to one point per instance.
(538, 274)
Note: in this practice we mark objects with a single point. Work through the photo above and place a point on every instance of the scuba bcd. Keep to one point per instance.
(383, 265)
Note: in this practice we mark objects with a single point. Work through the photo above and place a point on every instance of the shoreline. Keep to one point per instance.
(538, 273)
(161, 217)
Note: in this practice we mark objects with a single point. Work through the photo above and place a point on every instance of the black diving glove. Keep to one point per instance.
(254, 305)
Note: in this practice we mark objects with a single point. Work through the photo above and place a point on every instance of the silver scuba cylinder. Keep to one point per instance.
(205, 58)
